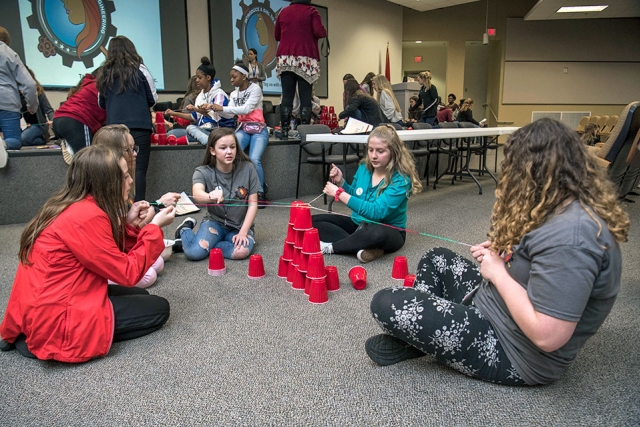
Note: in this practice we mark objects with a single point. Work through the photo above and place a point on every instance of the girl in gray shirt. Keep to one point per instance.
(548, 276)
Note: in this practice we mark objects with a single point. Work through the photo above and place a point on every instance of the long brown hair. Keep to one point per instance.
(352, 88)
(94, 171)
(401, 159)
(91, 29)
(122, 64)
(545, 166)
(214, 136)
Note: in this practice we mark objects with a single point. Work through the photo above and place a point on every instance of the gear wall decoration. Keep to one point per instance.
(51, 41)
(258, 18)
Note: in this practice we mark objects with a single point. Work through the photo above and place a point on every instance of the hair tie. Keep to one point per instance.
(240, 69)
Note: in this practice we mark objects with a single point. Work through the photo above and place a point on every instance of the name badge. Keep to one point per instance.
(359, 191)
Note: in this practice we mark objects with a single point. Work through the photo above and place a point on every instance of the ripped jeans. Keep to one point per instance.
(210, 235)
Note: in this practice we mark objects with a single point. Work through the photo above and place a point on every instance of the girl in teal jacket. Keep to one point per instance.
(378, 197)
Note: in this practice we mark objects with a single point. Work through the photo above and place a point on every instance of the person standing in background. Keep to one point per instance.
(127, 92)
(427, 98)
(298, 29)
(14, 78)
(256, 68)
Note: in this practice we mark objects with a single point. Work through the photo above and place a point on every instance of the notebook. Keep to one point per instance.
(185, 205)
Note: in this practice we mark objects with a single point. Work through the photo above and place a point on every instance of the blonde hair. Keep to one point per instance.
(546, 166)
(401, 159)
(466, 105)
(383, 85)
(426, 77)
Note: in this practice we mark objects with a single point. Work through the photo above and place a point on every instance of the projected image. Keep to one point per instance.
(254, 28)
(64, 39)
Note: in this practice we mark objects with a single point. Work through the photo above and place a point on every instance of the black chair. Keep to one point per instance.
(319, 153)
(396, 126)
(424, 148)
(162, 106)
(450, 148)
(270, 117)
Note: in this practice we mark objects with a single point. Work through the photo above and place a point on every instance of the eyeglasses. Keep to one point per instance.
(135, 149)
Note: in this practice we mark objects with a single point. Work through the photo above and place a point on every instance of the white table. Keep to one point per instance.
(424, 135)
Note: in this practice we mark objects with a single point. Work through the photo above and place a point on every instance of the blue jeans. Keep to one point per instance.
(257, 144)
(430, 120)
(32, 136)
(198, 134)
(216, 236)
(10, 127)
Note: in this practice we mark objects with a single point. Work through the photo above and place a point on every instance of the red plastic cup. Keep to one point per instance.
(183, 140)
(216, 262)
(291, 272)
(307, 286)
(293, 212)
(299, 239)
(400, 268)
(172, 140)
(287, 252)
(358, 277)
(303, 219)
(256, 267)
(315, 267)
(162, 139)
(283, 267)
(318, 291)
(311, 242)
(296, 258)
(298, 280)
(408, 281)
(333, 281)
(291, 235)
(304, 262)
(332, 110)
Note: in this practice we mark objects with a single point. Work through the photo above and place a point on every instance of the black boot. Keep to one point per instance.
(305, 115)
(285, 121)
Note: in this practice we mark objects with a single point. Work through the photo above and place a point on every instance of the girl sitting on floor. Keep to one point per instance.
(548, 277)
(227, 181)
(61, 307)
(379, 193)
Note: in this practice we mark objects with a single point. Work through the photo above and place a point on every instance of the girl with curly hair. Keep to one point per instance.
(548, 275)
(378, 197)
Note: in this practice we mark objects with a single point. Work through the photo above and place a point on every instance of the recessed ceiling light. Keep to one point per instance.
(418, 41)
(576, 9)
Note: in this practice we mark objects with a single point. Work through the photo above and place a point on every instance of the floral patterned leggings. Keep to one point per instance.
(431, 318)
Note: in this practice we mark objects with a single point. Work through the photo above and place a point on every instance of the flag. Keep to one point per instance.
(387, 69)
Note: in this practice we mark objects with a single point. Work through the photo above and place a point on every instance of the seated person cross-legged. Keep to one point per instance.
(378, 198)
(548, 275)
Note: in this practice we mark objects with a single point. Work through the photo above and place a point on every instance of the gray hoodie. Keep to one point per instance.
(14, 78)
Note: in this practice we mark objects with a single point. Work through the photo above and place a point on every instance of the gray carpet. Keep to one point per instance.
(243, 352)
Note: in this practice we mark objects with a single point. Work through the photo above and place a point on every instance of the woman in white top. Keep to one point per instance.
(388, 102)
(252, 132)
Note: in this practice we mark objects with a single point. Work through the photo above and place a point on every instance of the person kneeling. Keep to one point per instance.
(228, 183)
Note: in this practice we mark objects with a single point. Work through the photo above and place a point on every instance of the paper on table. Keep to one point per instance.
(355, 126)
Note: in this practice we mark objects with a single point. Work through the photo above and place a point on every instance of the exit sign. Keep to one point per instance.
(417, 59)
(491, 31)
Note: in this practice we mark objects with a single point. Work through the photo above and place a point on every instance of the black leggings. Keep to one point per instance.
(348, 237)
(136, 312)
(289, 81)
(142, 138)
(431, 318)
(76, 133)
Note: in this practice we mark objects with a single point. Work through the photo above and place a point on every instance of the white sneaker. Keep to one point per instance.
(368, 255)
(67, 152)
(326, 248)
(4, 157)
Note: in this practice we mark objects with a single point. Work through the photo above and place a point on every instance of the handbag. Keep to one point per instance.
(252, 128)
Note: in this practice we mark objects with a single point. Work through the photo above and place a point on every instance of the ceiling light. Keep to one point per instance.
(576, 9)
(418, 41)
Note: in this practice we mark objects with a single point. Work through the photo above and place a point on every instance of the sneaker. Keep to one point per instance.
(67, 152)
(6, 346)
(4, 157)
(368, 255)
(262, 200)
(187, 223)
(177, 246)
(326, 248)
(387, 350)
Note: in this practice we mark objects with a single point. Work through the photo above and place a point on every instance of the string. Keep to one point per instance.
(289, 205)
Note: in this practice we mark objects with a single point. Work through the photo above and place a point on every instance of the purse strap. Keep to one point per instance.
(325, 51)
